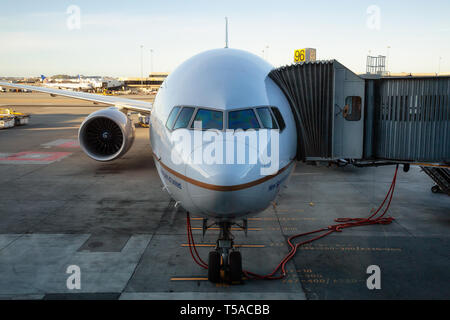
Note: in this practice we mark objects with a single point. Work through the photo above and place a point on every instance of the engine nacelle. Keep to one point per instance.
(106, 134)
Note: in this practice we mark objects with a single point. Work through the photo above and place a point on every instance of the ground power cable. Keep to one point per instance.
(377, 217)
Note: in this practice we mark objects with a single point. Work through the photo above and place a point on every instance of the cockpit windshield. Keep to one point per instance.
(184, 118)
(242, 119)
(210, 119)
(172, 117)
(267, 120)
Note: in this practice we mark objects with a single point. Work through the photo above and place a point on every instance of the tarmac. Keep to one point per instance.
(58, 208)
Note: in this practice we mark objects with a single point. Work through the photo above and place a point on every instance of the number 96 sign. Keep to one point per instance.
(299, 55)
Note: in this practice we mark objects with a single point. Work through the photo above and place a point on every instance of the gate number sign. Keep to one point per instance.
(299, 55)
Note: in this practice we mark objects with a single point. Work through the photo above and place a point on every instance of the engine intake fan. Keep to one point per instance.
(106, 134)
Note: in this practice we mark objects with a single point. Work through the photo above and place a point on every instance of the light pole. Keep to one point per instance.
(387, 59)
(151, 61)
(142, 65)
(439, 66)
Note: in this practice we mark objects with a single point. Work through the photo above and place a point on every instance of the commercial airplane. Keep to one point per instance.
(85, 84)
(226, 95)
(104, 83)
(80, 85)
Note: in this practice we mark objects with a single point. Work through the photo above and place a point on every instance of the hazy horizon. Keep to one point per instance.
(45, 38)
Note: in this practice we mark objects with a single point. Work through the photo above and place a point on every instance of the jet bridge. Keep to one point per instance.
(369, 120)
(341, 115)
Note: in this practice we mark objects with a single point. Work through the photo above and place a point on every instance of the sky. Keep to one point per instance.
(105, 37)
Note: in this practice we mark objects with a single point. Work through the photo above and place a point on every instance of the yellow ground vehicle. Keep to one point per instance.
(144, 121)
(107, 92)
(10, 118)
(6, 121)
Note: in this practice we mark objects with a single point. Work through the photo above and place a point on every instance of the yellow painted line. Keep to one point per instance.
(188, 279)
(198, 245)
(233, 229)
(268, 219)
(236, 245)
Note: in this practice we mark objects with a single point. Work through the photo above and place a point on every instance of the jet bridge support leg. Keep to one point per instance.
(441, 176)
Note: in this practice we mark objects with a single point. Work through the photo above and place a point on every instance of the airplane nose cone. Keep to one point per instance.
(221, 190)
(226, 190)
(223, 177)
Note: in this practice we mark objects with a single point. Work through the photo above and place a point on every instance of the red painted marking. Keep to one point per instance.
(22, 156)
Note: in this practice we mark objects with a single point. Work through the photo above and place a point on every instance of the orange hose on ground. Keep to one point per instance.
(343, 223)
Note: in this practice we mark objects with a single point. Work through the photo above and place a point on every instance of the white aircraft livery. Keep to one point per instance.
(223, 138)
(80, 85)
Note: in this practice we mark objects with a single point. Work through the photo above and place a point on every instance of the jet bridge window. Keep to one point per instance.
(210, 119)
(184, 118)
(242, 119)
(172, 116)
(267, 119)
(352, 109)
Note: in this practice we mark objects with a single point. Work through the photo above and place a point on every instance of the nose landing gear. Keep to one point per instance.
(224, 263)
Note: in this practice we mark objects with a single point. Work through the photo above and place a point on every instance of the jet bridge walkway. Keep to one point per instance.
(368, 120)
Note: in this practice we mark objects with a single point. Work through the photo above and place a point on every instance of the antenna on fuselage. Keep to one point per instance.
(226, 32)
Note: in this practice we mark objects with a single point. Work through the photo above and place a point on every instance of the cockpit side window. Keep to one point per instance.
(267, 119)
(184, 118)
(210, 119)
(279, 117)
(172, 116)
(242, 119)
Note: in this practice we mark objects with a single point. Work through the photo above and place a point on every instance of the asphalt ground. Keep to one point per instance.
(113, 220)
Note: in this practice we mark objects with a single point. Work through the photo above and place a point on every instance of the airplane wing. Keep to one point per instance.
(128, 104)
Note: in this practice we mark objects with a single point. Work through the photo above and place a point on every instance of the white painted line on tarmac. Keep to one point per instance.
(62, 143)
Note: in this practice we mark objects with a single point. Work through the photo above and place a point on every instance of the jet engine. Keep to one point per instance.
(106, 134)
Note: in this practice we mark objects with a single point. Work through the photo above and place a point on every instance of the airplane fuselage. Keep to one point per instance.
(229, 92)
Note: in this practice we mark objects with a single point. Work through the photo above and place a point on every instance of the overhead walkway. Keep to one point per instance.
(341, 115)
(368, 120)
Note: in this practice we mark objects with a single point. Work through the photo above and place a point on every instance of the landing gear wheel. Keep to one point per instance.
(235, 267)
(214, 267)
(435, 189)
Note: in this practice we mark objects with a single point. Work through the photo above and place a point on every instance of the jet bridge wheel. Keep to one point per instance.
(436, 189)
(235, 267)
(214, 267)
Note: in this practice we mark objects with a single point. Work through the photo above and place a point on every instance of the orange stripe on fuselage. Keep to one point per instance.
(221, 188)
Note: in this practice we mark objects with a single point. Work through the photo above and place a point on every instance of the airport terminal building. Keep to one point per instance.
(153, 81)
